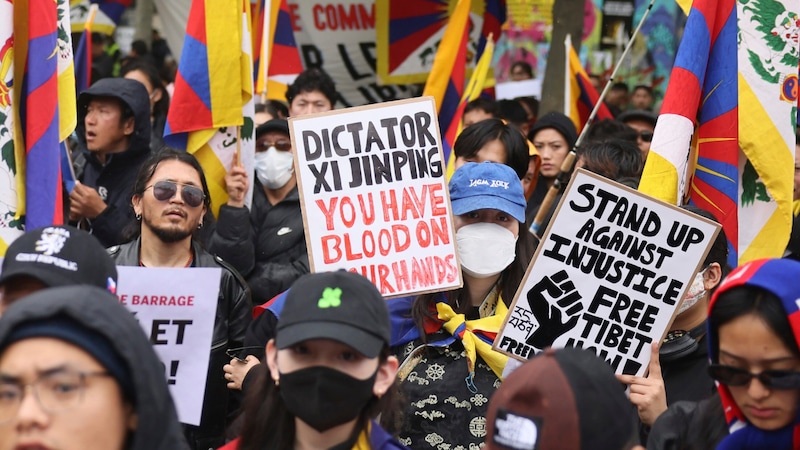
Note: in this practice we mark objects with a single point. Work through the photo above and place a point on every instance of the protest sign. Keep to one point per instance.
(374, 196)
(607, 276)
(176, 308)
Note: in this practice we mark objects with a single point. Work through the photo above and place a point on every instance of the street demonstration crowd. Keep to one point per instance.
(322, 361)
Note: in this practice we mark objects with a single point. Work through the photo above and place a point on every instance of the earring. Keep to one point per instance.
(277, 382)
(138, 217)
(200, 226)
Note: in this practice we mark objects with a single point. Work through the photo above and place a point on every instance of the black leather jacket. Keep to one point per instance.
(233, 317)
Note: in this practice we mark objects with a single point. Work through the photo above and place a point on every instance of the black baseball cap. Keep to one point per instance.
(341, 306)
(60, 255)
(281, 125)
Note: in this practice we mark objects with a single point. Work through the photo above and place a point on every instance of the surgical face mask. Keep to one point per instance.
(696, 292)
(274, 168)
(323, 397)
(485, 249)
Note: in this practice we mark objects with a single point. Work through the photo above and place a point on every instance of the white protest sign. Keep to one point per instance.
(176, 308)
(374, 196)
(607, 276)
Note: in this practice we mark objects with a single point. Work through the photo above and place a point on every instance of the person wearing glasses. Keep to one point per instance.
(753, 336)
(170, 197)
(113, 141)
(78, 372)
(265, 243)
(644, 123)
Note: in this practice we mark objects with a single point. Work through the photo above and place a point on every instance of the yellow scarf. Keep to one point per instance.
(487, 327)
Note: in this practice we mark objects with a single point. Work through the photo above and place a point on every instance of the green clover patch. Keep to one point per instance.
(331, 298)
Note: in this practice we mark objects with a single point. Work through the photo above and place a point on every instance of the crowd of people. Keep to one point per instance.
(323, 361)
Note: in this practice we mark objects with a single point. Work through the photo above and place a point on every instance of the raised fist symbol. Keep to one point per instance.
(563, 299)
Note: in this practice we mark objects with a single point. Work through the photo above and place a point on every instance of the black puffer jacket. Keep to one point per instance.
(266, 245)
(114, 179)
(233, 317)
(157, 422)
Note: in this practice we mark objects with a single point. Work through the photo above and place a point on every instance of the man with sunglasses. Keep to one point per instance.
(644, 122)
(266, 244)
(113, 141)
(170, 198)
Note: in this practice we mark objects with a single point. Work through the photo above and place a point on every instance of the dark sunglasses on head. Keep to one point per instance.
(771, 379)
(282, 145)
(165, 190)
(646, 136)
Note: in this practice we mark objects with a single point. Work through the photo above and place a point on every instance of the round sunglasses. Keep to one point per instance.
(771, 379)
(165, 190)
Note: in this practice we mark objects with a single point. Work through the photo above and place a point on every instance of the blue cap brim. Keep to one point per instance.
(476, 202)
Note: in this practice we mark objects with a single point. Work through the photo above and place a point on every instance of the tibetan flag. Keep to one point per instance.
(580, 96)
(478, 80)
(279, 59)
(83, 55)
(494, 16)
(67, 97)
(39, 113)
(211, 113)
(446, 80)
(741, 159)
(108, 15)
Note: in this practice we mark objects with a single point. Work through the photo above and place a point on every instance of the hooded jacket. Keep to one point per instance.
(230, 325)
(114, 179)
(99, 311)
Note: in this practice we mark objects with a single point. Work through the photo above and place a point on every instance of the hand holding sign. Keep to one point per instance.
(648, 393)
(548, 315)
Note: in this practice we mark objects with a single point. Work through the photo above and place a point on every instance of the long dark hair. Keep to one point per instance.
(742, 300)
(269, 425)
(423, 307)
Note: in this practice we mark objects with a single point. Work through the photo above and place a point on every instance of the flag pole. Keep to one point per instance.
(569, 161)
(567, 84)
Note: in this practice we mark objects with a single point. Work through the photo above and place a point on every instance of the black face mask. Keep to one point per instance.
(323, 397)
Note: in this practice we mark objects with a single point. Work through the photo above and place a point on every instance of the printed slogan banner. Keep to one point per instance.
(374, 196)
(608, 275)
(176, 308)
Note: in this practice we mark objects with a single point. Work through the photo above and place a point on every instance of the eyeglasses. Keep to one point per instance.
(55, 392)
(646, 136)
(235, 353)
(282, 145)
(165, 190)
(771, 379)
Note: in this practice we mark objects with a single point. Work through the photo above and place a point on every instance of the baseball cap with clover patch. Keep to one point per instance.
(341, 306)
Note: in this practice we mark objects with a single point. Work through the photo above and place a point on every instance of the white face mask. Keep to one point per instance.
(274, 168)
(696, 292)
(485, 249)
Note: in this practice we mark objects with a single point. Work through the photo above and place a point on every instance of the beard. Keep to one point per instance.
(170, 234)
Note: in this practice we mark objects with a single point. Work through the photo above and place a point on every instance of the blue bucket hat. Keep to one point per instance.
(487, 185)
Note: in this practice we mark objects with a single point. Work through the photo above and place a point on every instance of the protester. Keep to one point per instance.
(512, 112)
(330, 372)
(553, 135)
(449, 369)
(681, 371)
(114, 140)
(266, 244)
(644, 123)
(520, 71)
(617, 98)
(271, 109)
(563, 399)
(95, 381)
(755, 360)
(478, 110)
(148, 75)
(642, 98)
(170, 197)
(312, 91)
(492, 140)
(608, 129)
(614, 159)
(54, 256)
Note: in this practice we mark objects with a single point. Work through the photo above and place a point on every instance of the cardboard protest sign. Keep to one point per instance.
(608, 275)
(374, 196)
(176, 308)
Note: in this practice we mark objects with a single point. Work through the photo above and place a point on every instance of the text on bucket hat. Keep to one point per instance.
(341, 306)
(484, 185)
(60, 256)
(561, 399)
